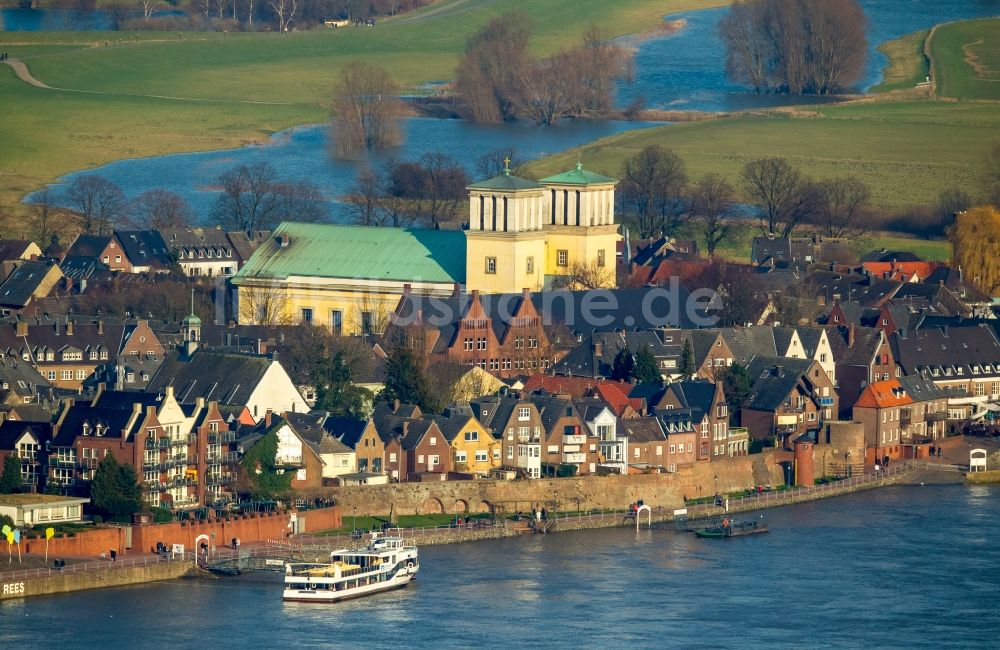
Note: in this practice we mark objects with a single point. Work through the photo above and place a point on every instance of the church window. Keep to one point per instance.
(562, 258)
(491, 265)
(531, 266)
(600, 257)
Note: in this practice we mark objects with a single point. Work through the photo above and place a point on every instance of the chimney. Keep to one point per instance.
(407, 287)
(58, 327)
(100, 327)
(598, 349)
(395, 405)
(779, 371)
(456, 290)
(526, 293)
(169, 391)
(267, 419)
(283, 240)
(69, 327)
(850, 336)
(21, 328)
(406, 427)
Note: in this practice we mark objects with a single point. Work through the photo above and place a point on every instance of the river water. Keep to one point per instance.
(907, 567)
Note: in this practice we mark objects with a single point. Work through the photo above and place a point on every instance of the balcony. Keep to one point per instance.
(288, 461)
(219, 479)
(225, 458)
(179, 481)
(62, 461)
(222, 437)
(936, 416)
(574, 458)
(574, 439)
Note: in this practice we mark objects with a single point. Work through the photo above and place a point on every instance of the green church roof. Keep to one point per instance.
(506, 183)
(359, 252)
(578, 176)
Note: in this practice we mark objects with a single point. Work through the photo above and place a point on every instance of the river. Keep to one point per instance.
(903, 567)
(682, 70)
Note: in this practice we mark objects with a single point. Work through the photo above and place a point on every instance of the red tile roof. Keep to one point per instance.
(883, 394)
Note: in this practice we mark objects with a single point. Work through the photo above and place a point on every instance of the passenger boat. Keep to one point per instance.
(387, 562)
(730, 528)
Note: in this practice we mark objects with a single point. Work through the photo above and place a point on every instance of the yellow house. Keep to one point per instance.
(473, 449)
(521, 235)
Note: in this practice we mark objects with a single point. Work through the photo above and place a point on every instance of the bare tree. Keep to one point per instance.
(264, 305)
(159, 208)
(247, 201)
(795, 46)
(299, 201)
(99, 202)
(148, 7)
(446, 183)
(371, 315)
(843, 208)
(492, 162)
(364, 199)
(651, 186)
(284, 10)
(44, 217)
(494, 65)
(712, 201)
(587, 276)
(785, 197)
(366, 110)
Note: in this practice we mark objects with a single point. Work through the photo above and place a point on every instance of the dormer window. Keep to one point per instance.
(104, 355)
(99, 430)
(50, 356)
(86, 429)
(93, 355)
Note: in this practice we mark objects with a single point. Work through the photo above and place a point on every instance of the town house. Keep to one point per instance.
(517, 423)
(787, 398)
(566, 441)
(473, 448)
(897, 412)
(709, 412)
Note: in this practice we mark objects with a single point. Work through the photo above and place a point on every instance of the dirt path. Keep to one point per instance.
(446, 9)
(25, 75)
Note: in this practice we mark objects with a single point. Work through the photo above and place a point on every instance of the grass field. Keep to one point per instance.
(967, 59)
(906, 151)
(907, 64)
(45, 133)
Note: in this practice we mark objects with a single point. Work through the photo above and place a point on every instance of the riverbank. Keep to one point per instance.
(93, 575)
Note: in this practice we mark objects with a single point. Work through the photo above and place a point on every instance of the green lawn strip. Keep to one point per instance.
(907, 64)
(908, 152)
(404, 521)
(967, 59)
(48, 133)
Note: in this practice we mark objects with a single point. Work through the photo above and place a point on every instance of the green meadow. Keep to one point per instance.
(153, 93)
(966, 59)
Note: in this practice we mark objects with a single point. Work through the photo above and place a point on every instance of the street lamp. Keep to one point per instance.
(355, 527)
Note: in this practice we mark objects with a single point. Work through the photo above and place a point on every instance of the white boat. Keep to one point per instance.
(387, 562)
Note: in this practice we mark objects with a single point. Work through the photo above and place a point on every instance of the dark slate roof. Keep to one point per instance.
(920, 389)
(764, 249)
(866, 342)
(702, 342)
(123, 399)
(773, 379)
(623, 309)
(748, 342)
(831, 284)
(19, 287)
(695, 395)
(225, 378)
(883, 255)
(11, 430)
(309, 428)
(416, 429)
(975, 351)
(551, 408)
(198, 239)
(246, 243)
(782, 339)
(810, 338)
(451, 427)
(145, 248)
(641, 430)
(113, 420)
(584, 360)
(80, 266)
(494, 412)
(952, 279)
(13, 249)
(879, 292)
(32, 412)
(22, 378)
(347, 430)
(678, 420)
(88, 246)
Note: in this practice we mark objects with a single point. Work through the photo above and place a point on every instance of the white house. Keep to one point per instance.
(34, 509)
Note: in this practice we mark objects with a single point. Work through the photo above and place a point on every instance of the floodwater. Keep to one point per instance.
(905, 567)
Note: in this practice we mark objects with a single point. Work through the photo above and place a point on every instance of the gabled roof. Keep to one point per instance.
(866, 343)
(89, 246)
(883, 394)
(14, 249)
(974, 350)
(748, 342)
(640, 430)
(309, 428)
(358, 252)
(578, 176)
(347, 430)
(551, 408)
(773, 378)
(883, 255)
(113, 422)
(145, 248)
(20, 286)
(699, 396)
(225, 378)
(12, 430)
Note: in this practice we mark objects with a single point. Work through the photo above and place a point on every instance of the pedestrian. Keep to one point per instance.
(545, 515)
(237, 543)
(234, 543)
(114, 553)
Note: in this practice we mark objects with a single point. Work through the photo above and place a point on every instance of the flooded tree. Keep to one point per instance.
(366, 110)
(843, 207)
(795, 46)
(247, 201)
(494, 67)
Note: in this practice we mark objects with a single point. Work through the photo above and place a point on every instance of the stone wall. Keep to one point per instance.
(88, 543)
(565, 494)
(54, 583)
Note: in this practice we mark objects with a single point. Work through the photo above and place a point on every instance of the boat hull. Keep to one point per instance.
(333, 596)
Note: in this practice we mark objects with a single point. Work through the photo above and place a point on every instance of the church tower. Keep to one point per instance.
(580, 224)
(191, 330)
(505, 242)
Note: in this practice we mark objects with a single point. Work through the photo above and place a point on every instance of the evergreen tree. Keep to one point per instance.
(10, 481)
(687, 361)
(406, 381)
(645, 367)
(115, 489)
(623, 367)
(736, 385)
(335, 391)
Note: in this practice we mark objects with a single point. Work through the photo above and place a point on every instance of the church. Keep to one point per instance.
(521, 234)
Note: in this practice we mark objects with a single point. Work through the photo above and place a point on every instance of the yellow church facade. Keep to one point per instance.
(520, 235)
